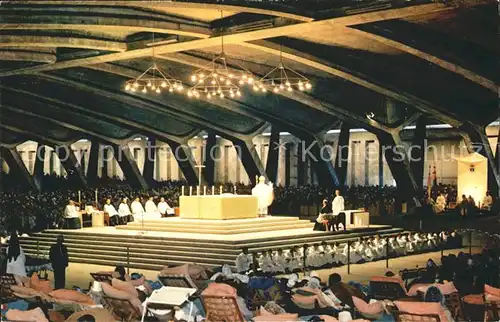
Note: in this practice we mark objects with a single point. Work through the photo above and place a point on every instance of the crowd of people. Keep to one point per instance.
(262, 295)
(324, 255)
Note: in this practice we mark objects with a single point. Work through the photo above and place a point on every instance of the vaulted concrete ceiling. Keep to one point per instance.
(63, 65)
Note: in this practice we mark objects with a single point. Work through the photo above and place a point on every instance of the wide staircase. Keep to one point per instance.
(219, 227)
(151, 252)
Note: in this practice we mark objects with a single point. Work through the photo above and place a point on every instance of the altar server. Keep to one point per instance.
(243, 261)
(72, 217)
(293, 260)
(280, 262)
(337, 208)
(151, 209)
(266, 263)
(137, 209)
(124, 212)
(327, 253)
(340, 253)
(164, 209)
(313, 256)
(112, 213)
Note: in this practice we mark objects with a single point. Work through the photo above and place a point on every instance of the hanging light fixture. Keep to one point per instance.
(282, 78)
(153, 80)
(216, 79)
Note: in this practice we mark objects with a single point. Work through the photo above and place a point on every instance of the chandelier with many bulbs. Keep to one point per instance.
(282, 78)
(153, 79)
(216, 79)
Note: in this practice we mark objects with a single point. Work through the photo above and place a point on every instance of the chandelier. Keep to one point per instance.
(153, 79)
(216, 79)
(282, 78)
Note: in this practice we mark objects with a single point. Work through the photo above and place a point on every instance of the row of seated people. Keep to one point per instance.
(254, 296)
(326, 255)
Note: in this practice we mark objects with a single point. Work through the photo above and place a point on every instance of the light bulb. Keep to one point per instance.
(221, 79)
(149, 84)
(241, 82)
(201, 81)
(221, 95)
(264, 90)
(276, 89)
(238, 93)
(132, 89)
(170, 89)
(255, 88)
(163, 84)
(193, 78)
(201, 75)
(219, 91)
(213, 82)
(231, 94)
(228, 82)
(299, 83)
(244, 76)
(197, 94)
(214, 93)
(282, 87)
(153, 87)
(287, 83)
(158, 90)
(144, 90)
(190, 93)
(136, 84)
(250, 80)
(215, 74)
(301, 88)
(209, 96)
(308, 85)
(127, 87)
(180, 87)
(231, 75)
(290, 89)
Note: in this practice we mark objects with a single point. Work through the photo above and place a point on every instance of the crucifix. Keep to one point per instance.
(200, 166)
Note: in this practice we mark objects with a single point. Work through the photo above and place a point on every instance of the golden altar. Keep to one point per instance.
(218, 207)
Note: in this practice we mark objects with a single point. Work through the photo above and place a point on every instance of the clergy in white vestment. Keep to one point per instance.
(137, 209)
(265, 195)
(266, 263)
(487, 201)
(243, 261)
(337, 208)
(151, 209)
(164, 209)
(124, 212)
(293, 260)
(72, 216)
(280, 261)
(112, 213)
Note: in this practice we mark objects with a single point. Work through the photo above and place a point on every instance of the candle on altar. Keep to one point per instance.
(205, 190)
(198, 190)
(190, 190)
(79, 196)
(220, 190)
(235, 189)
(213, 190)
(182, 191)
(96, 197)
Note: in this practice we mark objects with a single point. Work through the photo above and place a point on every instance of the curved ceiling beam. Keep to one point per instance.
(55, 41)
(64, 124)
(126, 123)
(454, 68)
(297, 29)
(364, 81)
(26, 55)
(30, 135)
(187, 5)
(173, 108)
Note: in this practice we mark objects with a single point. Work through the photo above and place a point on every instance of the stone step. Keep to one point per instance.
(216, 231)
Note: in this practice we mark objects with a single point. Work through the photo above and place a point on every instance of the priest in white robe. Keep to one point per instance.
(265, 195)
(440, 203)
(72, 216)
(164, 209)
(137, 209)
(124, 212)
(151, 209)
(112, 213)
(337, 208)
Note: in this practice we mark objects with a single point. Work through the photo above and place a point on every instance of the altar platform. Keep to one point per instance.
(202, 242)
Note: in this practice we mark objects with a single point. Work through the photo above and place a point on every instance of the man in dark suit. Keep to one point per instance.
(59, 258)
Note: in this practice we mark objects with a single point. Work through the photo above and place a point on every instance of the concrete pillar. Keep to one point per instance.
(396, 157)
(342, 154)
(273, 154)
(182, 153)
(149, 160)
(301, 164)
(209, 171)
(417, 152)
(288, 163)
(380, 165)
(93, 162)
(18, 168)
(39, 162)
(70, 163)
(250, 159)
(127, 163)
